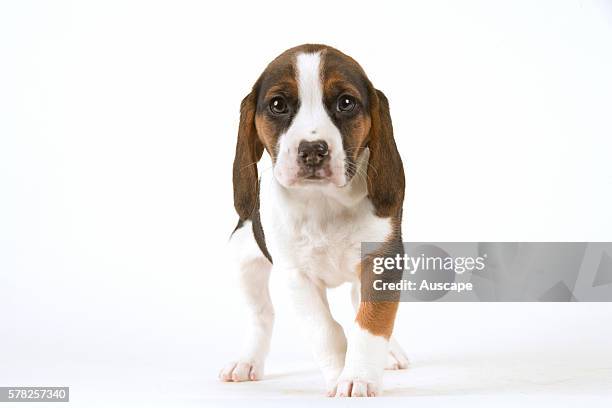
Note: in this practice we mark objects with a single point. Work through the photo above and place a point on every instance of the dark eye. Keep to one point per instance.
(278, 105)
(346, 103)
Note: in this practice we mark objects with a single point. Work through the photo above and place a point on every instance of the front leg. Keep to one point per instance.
(368, 346)
(369, 341)
(253, 276)
(325, 335)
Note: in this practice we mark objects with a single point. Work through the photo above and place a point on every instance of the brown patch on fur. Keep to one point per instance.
(377, 317)
(356, 143)
(267, 134)
(334, 81)
(286, 85)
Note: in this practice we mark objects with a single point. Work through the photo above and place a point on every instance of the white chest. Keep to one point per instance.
(315, 234)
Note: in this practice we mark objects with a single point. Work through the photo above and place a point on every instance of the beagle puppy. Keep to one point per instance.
(337, 180)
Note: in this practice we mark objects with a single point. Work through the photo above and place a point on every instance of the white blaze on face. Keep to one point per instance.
(309, 124)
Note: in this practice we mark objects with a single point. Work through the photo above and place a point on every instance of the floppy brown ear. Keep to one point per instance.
(385, 170)
(248, 152)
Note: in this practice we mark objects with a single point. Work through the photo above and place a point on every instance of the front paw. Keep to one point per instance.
(362, 382)
(355, 387)
(238, 371)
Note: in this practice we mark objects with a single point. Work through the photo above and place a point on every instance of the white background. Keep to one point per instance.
(117, 128)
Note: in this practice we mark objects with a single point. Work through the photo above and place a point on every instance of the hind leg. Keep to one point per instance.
(396, 358)
(253, 274)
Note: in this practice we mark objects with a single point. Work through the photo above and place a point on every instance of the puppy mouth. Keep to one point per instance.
(310, 176)
(314, 175)
(315, 180)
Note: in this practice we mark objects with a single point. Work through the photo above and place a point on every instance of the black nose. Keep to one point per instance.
(312, 154)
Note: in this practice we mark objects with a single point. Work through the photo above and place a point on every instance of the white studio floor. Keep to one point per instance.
(531, 379)
(504, 354)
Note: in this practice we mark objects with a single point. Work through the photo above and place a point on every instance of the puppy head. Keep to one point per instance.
(312, 116)
(315, 112)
